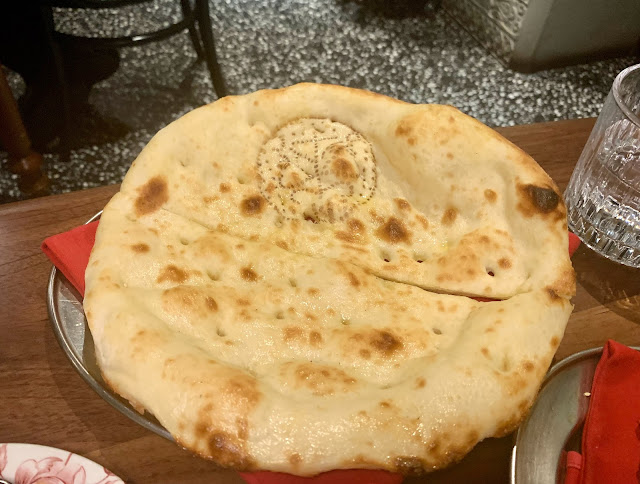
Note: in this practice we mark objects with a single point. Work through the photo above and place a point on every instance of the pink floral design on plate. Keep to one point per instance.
(37, 464)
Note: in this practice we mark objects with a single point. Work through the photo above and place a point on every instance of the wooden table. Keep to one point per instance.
(43, 400)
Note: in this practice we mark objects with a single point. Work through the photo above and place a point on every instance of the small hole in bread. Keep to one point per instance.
(214, 276)
(280, 315)
(436, 330)
(242, 179)
(346, 321)
(293, 283)
(184, 241)
(385, 256)
(279, 221)
(221, 332)
(490, 273)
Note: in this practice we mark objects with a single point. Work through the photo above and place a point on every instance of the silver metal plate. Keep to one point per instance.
(555, 421)
(71, 329)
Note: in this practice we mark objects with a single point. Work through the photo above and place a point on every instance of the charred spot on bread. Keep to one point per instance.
(253, 205)
(394, 231)
(385, 342)
(490, 195)
(449, 216)
(343, 169)
(140, 248)
(545, 199)
(152, 195)
(537, 200)
(172, 273)
(248, 274)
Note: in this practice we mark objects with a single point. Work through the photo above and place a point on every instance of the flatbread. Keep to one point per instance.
(238, 288)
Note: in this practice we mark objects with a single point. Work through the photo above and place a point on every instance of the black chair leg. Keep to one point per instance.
(193, 33)
(204, 24)
(65, 138)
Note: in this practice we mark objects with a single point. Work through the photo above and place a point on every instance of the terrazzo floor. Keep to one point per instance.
(274, 43)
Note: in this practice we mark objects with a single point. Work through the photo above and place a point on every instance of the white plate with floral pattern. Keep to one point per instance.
(37, 464)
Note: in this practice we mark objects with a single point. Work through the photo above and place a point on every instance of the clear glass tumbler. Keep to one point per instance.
(603, 196)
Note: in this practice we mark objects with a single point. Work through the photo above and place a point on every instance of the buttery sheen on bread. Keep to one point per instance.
(285, 278)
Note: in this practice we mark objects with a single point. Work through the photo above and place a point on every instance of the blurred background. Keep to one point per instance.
(505, 62)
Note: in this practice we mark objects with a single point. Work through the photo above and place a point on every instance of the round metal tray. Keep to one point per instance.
(70, 327)
(554, 424)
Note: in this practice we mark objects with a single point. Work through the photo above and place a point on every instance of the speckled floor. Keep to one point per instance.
(274, 43)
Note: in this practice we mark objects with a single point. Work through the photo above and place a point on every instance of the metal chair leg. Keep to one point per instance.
(193, 32)
(204, 24)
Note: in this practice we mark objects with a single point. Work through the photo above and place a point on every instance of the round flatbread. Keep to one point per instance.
(282, 281)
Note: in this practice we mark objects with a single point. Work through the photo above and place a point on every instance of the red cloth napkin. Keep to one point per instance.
(574, 467)
(611, 435)
(70, 251)
(574, 243)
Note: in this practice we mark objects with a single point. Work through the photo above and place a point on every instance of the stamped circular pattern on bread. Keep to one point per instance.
(283, 281)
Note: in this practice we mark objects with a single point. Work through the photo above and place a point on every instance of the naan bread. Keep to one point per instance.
(281, 281)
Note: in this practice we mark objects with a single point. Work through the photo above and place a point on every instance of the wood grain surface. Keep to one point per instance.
(43, 400)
